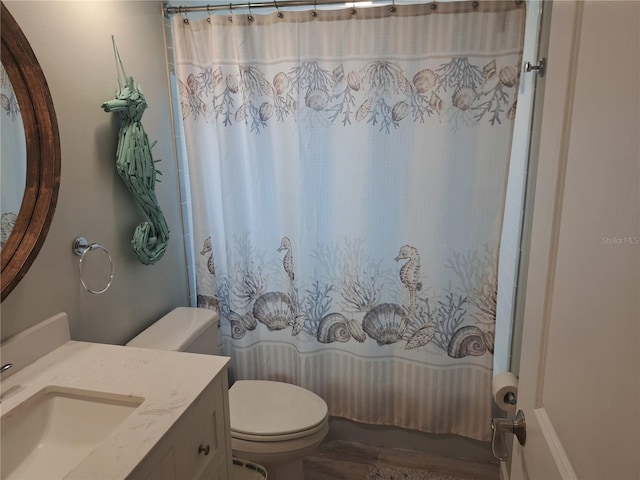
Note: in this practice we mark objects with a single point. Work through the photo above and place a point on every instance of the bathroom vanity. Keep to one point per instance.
(82, 410)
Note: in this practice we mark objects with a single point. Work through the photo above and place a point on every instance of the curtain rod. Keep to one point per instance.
(474, 5)
(273, 4)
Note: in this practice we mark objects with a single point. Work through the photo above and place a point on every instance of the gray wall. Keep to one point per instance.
(72, 41)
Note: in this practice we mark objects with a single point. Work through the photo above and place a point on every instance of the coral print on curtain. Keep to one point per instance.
(379, 93)
(347, 180)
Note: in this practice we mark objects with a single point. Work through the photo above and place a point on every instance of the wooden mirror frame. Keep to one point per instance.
(43, 153)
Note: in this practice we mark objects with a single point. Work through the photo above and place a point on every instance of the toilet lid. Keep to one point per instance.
(259, 407)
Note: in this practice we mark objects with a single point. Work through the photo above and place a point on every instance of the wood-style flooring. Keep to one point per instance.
(340, 460)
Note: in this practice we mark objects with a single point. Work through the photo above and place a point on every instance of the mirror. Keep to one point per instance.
(42, 145)
(13, 157)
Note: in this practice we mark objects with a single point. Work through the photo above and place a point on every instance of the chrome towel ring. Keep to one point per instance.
(81, 247)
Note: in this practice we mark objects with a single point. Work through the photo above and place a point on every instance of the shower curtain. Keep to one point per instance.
(346, 176)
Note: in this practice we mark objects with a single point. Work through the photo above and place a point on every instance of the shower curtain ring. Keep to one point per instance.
(313, 12)
(208, 14)
(185, 20)
(230, 17)
(392, 8)
(353, 8)
(250, 17)
(275, 4)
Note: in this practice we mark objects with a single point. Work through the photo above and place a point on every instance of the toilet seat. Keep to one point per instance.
(277, 438)
(273, 449)
(268, 411)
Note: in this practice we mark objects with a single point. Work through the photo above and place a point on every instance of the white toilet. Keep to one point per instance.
(274, 424)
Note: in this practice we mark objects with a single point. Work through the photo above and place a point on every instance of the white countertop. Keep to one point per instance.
(169, 382)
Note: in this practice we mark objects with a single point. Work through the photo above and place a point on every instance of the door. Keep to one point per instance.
(579, 367)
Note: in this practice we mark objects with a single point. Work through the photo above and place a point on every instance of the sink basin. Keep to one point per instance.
(50, 433)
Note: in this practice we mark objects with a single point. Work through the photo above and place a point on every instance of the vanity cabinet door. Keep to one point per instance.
(160, 464)
(204, 452)
(198, 446)
(165, 468)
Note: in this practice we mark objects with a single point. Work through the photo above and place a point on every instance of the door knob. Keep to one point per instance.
(500, 426)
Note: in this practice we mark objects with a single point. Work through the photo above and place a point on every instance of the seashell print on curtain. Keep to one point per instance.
(347, 182)
(458, 322)
(379, 93)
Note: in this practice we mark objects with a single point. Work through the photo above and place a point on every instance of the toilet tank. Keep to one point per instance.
(184, 329)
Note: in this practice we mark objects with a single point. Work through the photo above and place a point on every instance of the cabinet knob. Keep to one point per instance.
(204, 449)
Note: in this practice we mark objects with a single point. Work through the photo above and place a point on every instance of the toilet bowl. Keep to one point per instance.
(274, 424)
